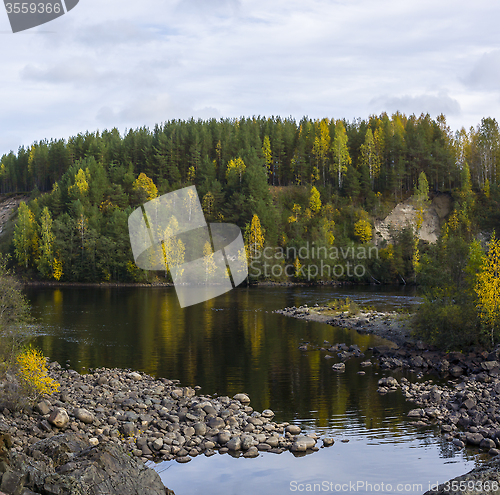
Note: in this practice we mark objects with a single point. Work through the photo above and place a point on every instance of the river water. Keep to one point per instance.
(235, 343)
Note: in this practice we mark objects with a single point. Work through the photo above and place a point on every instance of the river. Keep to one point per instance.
(235, 343)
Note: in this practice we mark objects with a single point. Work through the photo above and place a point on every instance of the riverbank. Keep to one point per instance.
(465, 407)
(117, 413)
(390, 325)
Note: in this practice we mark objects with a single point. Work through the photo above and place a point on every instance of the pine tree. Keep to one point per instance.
(25, 237)
(340, 151)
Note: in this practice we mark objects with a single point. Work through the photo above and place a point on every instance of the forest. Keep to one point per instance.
(292, 187)
(286, 183)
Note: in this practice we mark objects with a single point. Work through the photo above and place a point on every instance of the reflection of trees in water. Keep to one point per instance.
(230, 344)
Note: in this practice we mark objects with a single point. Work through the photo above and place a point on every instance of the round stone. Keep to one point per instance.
(293, 429)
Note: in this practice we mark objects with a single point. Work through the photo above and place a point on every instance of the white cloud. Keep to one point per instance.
(425, 103)
(124, 63)
(485, 73)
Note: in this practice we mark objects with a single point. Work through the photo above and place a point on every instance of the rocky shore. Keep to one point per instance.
(465, 405)
(94, 435)
(389, 325)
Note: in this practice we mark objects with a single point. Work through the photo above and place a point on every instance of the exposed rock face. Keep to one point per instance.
(405, 214)
(66, 464)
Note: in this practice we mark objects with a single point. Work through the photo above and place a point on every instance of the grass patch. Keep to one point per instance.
(338, 306)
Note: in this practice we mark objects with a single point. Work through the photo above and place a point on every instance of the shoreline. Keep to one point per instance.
(465, 407)
(134, 418)
(327, 283)
(389, 325)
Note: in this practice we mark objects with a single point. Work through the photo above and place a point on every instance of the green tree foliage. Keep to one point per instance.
(91, 182)
(25, 236)
(340, 151)
(45, 260)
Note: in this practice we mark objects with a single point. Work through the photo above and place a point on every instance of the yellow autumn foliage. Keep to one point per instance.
(34, 374)
(363, 230)
(147, 185)
(487, 287)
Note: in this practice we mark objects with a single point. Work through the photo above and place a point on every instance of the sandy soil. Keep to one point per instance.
(405, 214)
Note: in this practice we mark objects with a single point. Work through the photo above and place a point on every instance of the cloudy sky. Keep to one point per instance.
(126, 64)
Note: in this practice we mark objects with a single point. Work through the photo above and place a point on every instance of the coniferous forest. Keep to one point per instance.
(284, 183)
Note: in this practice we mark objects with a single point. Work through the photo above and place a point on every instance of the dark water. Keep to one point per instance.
(234, 343)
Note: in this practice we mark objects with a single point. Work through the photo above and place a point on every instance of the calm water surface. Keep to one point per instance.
(235, 343)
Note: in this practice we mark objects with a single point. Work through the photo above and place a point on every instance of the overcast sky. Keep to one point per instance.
(126, 64)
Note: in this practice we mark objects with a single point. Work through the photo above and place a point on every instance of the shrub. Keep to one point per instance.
(33, 373)
(447, 324)
(346, 304)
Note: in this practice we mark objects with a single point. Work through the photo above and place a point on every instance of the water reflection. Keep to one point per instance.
(234, 343)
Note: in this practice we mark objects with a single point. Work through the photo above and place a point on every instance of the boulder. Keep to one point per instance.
(243, 398)
(83, 415)
(59, 417)
(302, 443)
(293, 429)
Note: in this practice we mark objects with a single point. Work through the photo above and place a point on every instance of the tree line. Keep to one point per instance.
(384, 153)
(288, 184)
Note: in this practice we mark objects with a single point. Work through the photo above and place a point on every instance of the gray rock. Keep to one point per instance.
(293, 429)
(263, 447)
(252, 452)
(487, 444)
(223, 437)
(328, 442)
(43, 408)
(200, 429)
(338, 367)
(243, 398)
(246, 442)
(416, 413)
(12, 482)
(388, 381)
(272, 441)
(216, 423)
(302, 443)
(473, 438)
(83, 415)
(234, 444)
(158, 444)
(59, 417)
(128, 429)
(458, 443)
(480, 476)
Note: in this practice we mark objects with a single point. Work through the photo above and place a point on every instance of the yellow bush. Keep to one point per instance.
(34, 374)
(363, 230)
